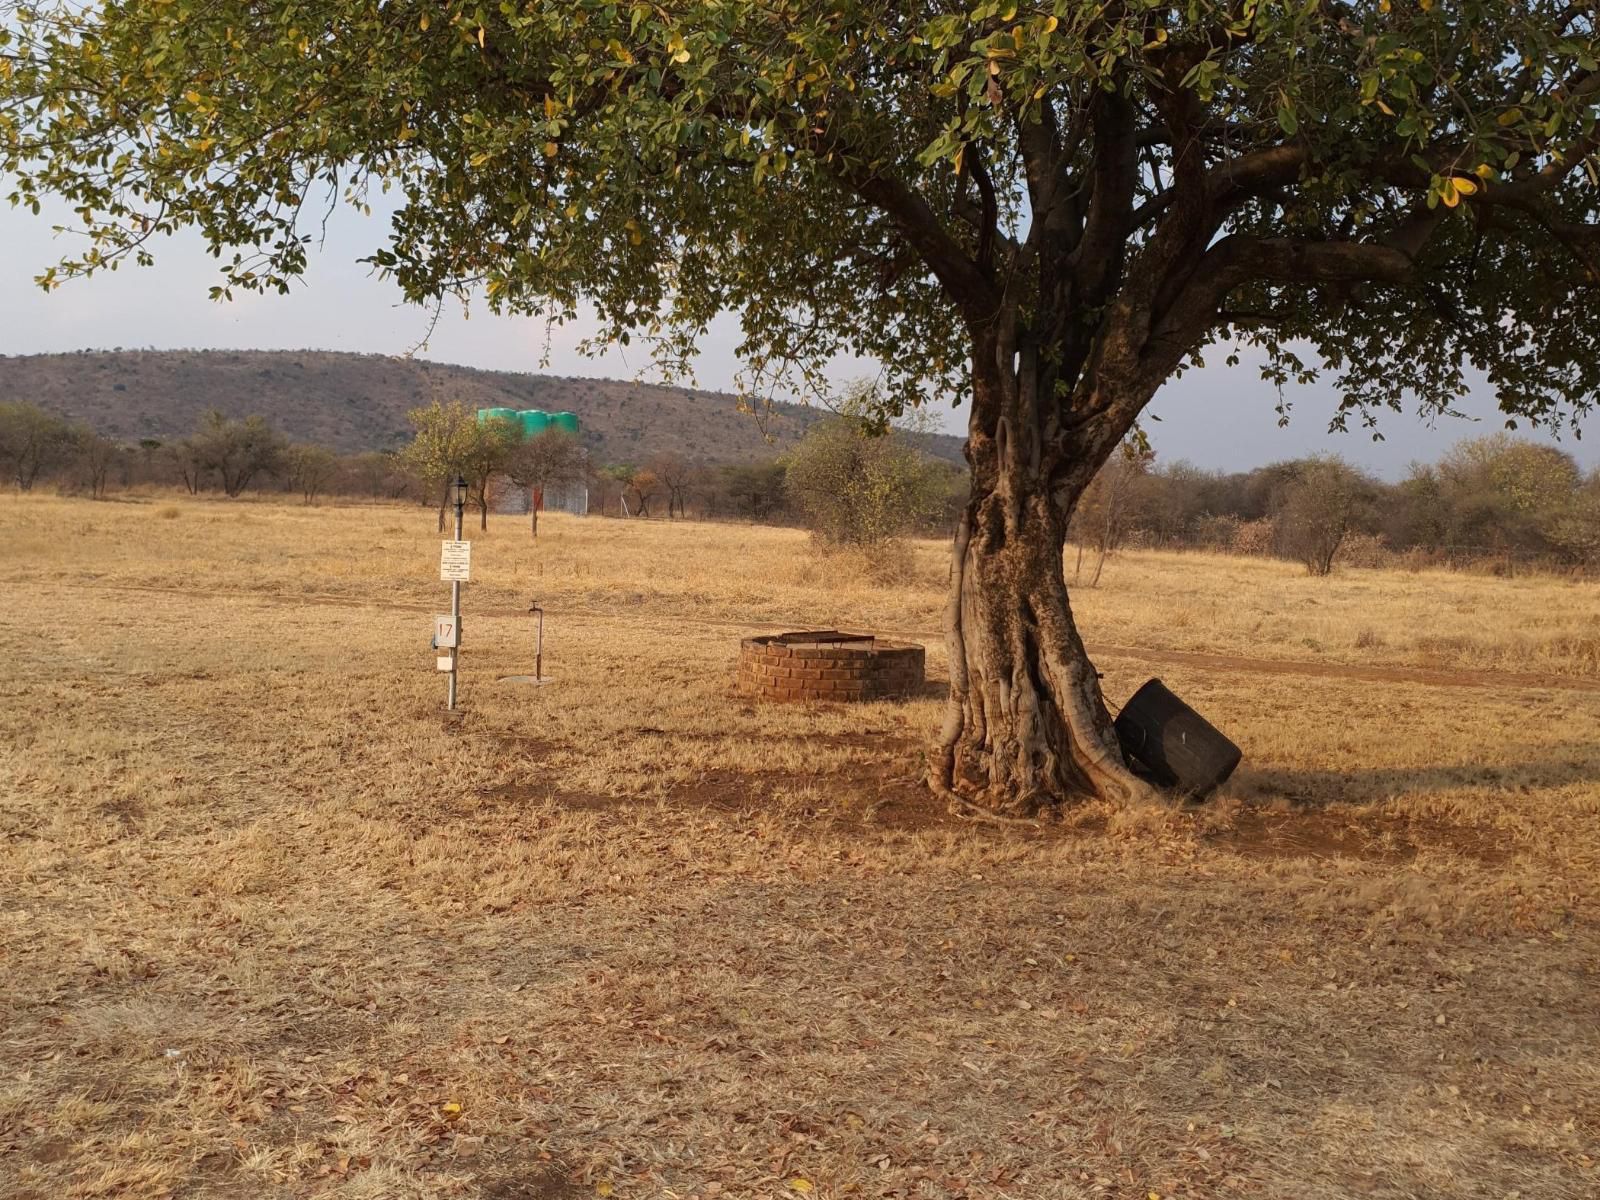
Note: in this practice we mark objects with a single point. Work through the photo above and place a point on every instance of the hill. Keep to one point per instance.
(355, 402)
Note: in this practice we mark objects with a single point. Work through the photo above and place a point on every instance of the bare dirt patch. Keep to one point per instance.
(1352, 834)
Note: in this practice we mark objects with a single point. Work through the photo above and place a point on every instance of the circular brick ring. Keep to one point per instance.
(829, 665)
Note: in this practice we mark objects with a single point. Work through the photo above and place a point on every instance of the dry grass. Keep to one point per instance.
(268, 927)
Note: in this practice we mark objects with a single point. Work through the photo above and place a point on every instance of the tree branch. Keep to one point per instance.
(1238, 259)
(960, 276)
(1114, 176)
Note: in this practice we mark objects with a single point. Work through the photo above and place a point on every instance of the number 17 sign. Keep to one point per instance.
(446, 632)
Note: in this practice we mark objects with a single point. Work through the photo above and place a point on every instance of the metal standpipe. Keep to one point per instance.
(538, 677)
(538, 643)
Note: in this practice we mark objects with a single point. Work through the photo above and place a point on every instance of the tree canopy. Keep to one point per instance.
(1406, 186)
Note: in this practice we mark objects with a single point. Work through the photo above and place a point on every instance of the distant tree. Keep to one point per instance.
(1507, 494)
(641, 486)
(545, 459)
(150, 455)
(1534, 478)
(856, 483)
(188, 463)
(95, 455)
(755, 490)
(1418, 511)
(949, 486)
(308, 469)
(1110, 504)
(376, 474)
(489, 446)
(1323, 503)
(1180, 495)
(1576, 531)
(236, 451)
(676, 474)
(605, 490)
(441, 448)
(33, 443)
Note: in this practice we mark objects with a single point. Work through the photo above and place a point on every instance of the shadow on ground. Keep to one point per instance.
(1563, 766)
(1267, 812)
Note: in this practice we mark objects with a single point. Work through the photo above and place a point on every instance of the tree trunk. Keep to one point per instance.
(534, 499)
(1027, 726)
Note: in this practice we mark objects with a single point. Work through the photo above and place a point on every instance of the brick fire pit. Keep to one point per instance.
(828, 665)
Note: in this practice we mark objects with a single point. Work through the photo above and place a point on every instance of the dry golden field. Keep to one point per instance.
(269, 927)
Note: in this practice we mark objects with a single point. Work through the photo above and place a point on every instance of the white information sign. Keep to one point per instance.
(445, 663)
(446, 632)
(455, 561)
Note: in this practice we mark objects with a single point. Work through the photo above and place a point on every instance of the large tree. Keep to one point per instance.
(1051, 207)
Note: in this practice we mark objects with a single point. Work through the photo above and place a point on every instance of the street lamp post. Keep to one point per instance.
(455, 592)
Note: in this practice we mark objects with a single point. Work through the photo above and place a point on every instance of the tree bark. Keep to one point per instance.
(1027, 726)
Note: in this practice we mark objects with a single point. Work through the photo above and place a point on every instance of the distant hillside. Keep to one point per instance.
(356, 402)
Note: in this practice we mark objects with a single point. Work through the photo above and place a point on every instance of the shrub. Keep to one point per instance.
(1364, 550)
(1252, 537)
(1323, 501)
(1217, 532)
(858, 484)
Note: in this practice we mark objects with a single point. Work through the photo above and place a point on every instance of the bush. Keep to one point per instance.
(1322, 503)
(1252, 537)
(855, 485)
(1216, 532)
(1364, 550)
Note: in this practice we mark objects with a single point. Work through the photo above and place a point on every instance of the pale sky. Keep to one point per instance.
(1216, 417)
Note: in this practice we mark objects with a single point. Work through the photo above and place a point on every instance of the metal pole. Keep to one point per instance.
(455, 602)
(538, 647)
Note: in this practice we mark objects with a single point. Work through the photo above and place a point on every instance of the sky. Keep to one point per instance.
(1216, 417)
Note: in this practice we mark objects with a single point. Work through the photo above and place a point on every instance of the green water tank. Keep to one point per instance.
(534, 421)
(566, 422)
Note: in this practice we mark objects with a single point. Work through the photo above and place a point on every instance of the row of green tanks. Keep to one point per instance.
(532, 421)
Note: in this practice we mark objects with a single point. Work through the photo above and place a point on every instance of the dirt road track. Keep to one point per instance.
(1195, 660)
